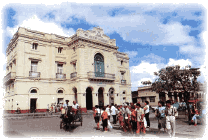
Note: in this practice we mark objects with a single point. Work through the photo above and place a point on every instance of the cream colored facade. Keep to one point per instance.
(146, 94)
(43, 67)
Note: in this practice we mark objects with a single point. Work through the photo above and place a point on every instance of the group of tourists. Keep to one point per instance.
(135, 119)
(131, 117)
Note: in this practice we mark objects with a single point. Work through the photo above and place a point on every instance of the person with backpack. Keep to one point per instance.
(160, 115)
(97, 114)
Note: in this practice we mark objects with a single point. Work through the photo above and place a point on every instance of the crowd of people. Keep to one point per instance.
(135, 119)
(131, 117)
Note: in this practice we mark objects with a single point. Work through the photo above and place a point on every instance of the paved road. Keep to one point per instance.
(49, 127)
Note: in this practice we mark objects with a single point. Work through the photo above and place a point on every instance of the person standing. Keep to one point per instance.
(160, 114)
(146, 111)
(108, 111)
(97, 114)
(127, 113)
(105, 119)
(170, 112)
(113, 113)
(133, 118)
(140, 119)
(121, 118)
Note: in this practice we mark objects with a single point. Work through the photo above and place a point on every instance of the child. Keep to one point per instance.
(105, 119)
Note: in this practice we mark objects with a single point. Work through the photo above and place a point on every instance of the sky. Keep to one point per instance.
(153, 35)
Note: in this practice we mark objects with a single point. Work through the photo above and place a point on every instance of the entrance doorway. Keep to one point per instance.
(33, 105)
(60, 100)
(100, 97)
(89, 98)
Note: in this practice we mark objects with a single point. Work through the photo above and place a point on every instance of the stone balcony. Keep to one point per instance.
(9, 77)
(73, 75)
(101, 76)
(33, 74)
(60, 76)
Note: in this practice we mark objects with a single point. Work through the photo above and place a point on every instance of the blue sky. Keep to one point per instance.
(154, 36)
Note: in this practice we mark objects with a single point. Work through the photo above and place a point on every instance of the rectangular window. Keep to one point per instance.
(34, 66)
(60, 50)
(152, 99)
(74, 65)
(60, 68)
(143, 99)
(35, 46)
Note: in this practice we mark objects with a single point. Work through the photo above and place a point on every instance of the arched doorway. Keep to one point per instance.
(89, 98)
(100, 97)
(111, 96)
(99, 65)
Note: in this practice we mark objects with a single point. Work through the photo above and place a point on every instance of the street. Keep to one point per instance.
(50, 127)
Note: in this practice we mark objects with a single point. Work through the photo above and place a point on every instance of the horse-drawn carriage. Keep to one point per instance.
(70, 118)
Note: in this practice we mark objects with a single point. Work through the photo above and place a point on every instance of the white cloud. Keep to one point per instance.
(180, 62)
(135, 27)
(132, 53)
(197, 54)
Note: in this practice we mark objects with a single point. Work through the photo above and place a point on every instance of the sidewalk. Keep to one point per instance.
(36, 115)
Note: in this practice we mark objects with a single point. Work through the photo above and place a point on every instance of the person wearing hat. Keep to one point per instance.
(170, 112)
(140, 119)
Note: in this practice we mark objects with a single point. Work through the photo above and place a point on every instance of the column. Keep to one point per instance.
(178, 97)
(106, 98)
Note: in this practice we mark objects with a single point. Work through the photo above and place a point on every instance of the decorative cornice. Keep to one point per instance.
(60, 62)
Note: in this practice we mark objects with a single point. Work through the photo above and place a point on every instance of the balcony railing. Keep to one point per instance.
(98, 75)
(10, 76)
(33, 74)
(60, 76)
(72, 75)
(123, 82)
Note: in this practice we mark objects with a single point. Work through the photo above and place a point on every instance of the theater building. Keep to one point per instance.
(47, 68)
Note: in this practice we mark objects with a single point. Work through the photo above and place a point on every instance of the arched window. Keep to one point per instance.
(123, 92)
(60, 91)
(33, 91)
(99, 65)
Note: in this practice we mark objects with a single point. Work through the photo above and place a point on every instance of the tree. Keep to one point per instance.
(174, 79)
